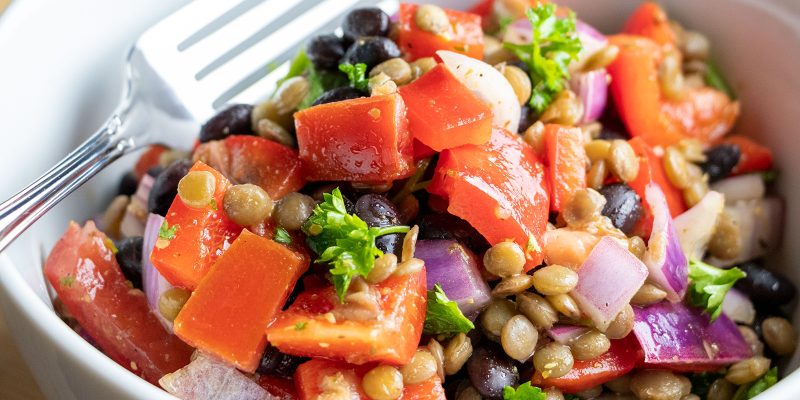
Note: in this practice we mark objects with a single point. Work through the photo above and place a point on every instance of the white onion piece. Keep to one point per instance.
(208, 378)
(738, 307)
(592, 88)
(664, 257)
(742, 187)
(153, 283)
(488, 84)
(759, 223)
(696, 225)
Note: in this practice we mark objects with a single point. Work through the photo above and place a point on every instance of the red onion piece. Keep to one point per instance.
(760, 227)
(592, 41)
(133, 221)
(152, 282)
(208, 378)
(664, 257)
(682, 338)
(592, 88)
(455, 268)
(607, 281)
(696, 225)
(565, 334)
(738, 307)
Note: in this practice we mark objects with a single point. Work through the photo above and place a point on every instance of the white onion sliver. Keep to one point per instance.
(152, 282)
(696, 225)
(738, 307)
(742, 187)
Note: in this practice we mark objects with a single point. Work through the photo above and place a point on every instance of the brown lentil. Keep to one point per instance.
(748, 370)
(112, 217)
(622, 324)
(779, 335)
(590, 345)
(721, 389)
(675, 167)
(456, 354)
(584, 206)
(670, 75)
(291, 94)
(247, 204)
(293, 210)
(694, 45)
(504, 259)
(695, 173)
(691, 396)
(695, 192)
(537, 309)
(411, 266)
(384, 267)
(534, 136)
(397, 69)
(495, 317)
(591, 131)
(519, 82)
(431, 18)
(636, 246)
(519, 338)
(620, 385)
(597, 149)
(597, 175)
(692, 150)
(421, 368)
(554, 279)
(383, 383)
(602, 58)
(694, 80)
(469, 393)
(622, 160)
(437, 351)
(553, 394)
(751, 337)
(554, 360)
(269, 110)
(659, 385)
(565, 305)
(410, 243)
(648, 294)
(381, 84)
(590, 393)
(271, 130)
(196, 189)
(513, 285)
(566, 109)
(422, 65)
(171, 302)
(725, 243)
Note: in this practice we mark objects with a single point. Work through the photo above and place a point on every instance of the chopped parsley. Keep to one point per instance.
(299, 65)
(356, 74)
(282, 236)
(713, 77)
(167, 232)
(213, 204)
(751, 390)
(524, 391)
(300, 326)
(443, 315)
(532, 246)
(67, 280)
(709, 285)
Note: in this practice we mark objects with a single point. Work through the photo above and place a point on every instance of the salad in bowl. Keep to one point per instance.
(498, 203)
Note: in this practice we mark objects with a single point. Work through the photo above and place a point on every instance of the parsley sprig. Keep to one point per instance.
(709, 285)
(443, 316)
(555, 43)
(356, 74)
(525, 391)
(344, 240)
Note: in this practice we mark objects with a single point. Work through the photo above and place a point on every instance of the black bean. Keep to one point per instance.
(338, 94)
(623, 206)
(369, 21)
(371, 51)
(273, 362)
(165, 187)
(764, 286)
(490, 370)
(612, 126)
(128, 184)
(234, 120)
(377, 211)
(129, 258)
(526, 118)
(325, 51)
(449, 227)
(720, 161)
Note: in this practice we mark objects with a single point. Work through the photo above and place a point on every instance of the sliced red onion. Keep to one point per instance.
(696, 225)
(607, 281)
(135, 214)
(592, 41)
(741, 187)
(455, 268)
(208, 378)
(565, 334)
(680, 337)
(152, 282)
(759, 223)
(664, 257)
(592, 88)
(738, 307)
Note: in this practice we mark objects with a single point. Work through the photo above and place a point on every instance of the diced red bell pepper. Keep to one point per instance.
(200, 236)
(271, 165)
(500, 188)
(358, 140)
(650, 20)
(753, 156)
(84, 272)
(566, 161)
(147, 160)
(312, 377)
(443, 113)
(465, 35)
(620, 359)
(651, 169)
(246, 287)
(421, 151)
(317, 325)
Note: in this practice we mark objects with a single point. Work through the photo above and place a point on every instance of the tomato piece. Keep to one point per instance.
(566, 161)
(359, 140)
(273, 166)
(465, 35)
(499, 188)
(200, 236)
(443, 113)
(651, 169)
(314, 376)
(421, 151)
(706, 114)
(147, 160)
(620, 359)
(650, 20)
(247, 286)
(281, 388)
(753, 156)
(307, 329)
(84, 272)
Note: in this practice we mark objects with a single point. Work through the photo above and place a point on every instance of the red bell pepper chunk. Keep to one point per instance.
(359, 140)
(314, 376)
(443, 113)
(465, 35)
(753, 156)
(499, 188)
(247, 286)
(566, 160)
(620, 359)
(317, 325)
(84, 272)
(651, 169)
(273, 166)
(147, 160)
(200, 236)
(650, 20)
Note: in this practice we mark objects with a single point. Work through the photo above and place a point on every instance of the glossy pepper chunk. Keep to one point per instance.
(650, 20)
(500, 188)
(246, 287)
(651, 169)
(193, 238)
(566, 162)
(443, 113)
(84, 272)
(271, 165)
(358, 140)
(318, 325)
(754, 157)
(464, 35)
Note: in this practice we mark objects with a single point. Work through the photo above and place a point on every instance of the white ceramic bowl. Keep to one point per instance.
(60, 74)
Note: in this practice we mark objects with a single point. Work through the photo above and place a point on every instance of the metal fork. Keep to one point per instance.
(207, 54)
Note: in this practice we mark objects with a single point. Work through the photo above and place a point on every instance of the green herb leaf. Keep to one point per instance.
(213, 204)
(343, 240)
(709, 285)
(67, 280)
(299, 65)
(714, 78)
(300, 326)
(443, 315)
(523, 392)
(282, 236)
(751, 390)
(167, 232)
(356, 74)
(555, 43)
(320, 82)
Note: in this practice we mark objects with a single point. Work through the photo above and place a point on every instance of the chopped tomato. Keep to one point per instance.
(273, 166)
(464, 35)
(499, 188)
(443, 113)
(620, 359)
(195, 237)
(360, 140)
(318, 325)
(651, 169)
(566, 161)
(278, 387)
(247, 286)
(650, 20)
(147, 160)
(753, 156)
(84, 272)
(421, 151)
(314, 377)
